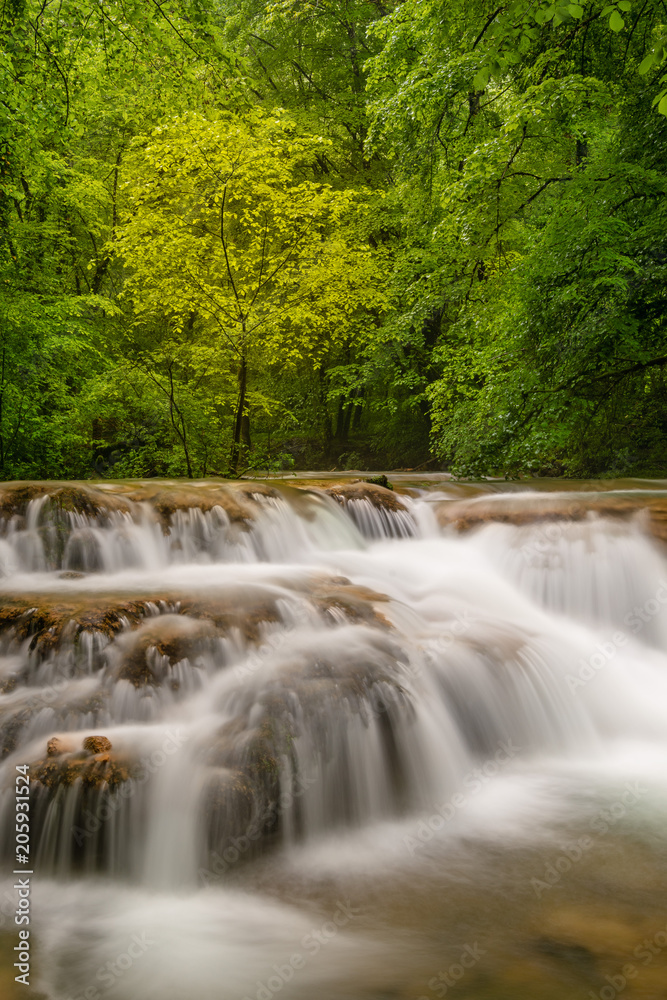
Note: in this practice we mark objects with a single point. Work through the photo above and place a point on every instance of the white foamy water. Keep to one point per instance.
(310, 713)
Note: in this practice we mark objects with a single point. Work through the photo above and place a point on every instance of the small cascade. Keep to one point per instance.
(377, 522)
(209, 686)
(88, 534)
(30, 543)
(600, 571)
(378, 513)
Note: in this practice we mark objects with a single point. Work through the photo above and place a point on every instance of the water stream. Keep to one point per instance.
(352, 749)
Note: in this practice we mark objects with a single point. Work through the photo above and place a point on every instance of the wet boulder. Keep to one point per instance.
(92, 771)
(63, 498)
(56, 746)
(168, 499)
(376, 511)
(146, 654)
(531, 507)
(97, 744)
(378, 496)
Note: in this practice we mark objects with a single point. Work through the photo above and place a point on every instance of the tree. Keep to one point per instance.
(311, 58)
(509, 124)
(75, 89)
(232, 240)
(455, 226)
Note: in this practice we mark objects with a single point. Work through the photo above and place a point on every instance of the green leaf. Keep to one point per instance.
(616, 22)
(624, 5)
(575, 10)
(481, 78)
(662, 107)
(646, 64)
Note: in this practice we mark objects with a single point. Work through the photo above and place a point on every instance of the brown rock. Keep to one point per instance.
(531, 507)
(173, 636)
(167, 500)
(378, 496)
(46, 624)
(56, 746)
(92, 771)
(96, 744)
(81, 498)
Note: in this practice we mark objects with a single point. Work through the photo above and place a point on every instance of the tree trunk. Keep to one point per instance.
(178, 422)
(239, 435)
(358, 410)
(245, 431)
(341, 433)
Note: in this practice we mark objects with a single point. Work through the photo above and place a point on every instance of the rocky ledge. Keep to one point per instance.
(648, 509)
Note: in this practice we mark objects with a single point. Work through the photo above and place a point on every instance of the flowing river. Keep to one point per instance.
(335, 741)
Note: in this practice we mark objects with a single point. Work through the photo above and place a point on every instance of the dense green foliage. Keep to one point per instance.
(245, 234)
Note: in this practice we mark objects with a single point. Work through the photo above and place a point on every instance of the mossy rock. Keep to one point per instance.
(15, 497)
(359, 605)
(50, 620)
(379, 481)
(57, 746)
(268, 781)
(243, 609)
(96, 744)
(86, 500)
(93, 771)
(532, 508)
(174, 637)
(11, 729)
(66, 497)
(378, 496)
(167, 501)
(252, 751)
(240, 822)
(47, 619)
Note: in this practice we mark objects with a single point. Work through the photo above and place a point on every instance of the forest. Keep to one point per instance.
(260, 235)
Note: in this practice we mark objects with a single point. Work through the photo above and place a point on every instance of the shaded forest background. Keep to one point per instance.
(238, 235)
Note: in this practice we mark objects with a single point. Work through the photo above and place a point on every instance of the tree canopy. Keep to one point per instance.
(337, 233)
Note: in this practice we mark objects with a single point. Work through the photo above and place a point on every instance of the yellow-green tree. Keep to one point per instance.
(229, 233)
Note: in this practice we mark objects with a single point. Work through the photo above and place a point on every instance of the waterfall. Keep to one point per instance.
(248, 708)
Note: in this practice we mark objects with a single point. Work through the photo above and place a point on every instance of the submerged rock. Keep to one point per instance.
(146, 653)
(56, 746)
(311, 721)
(338, 599)
(12, 730)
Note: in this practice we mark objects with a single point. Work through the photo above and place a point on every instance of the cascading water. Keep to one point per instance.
(284, 742)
